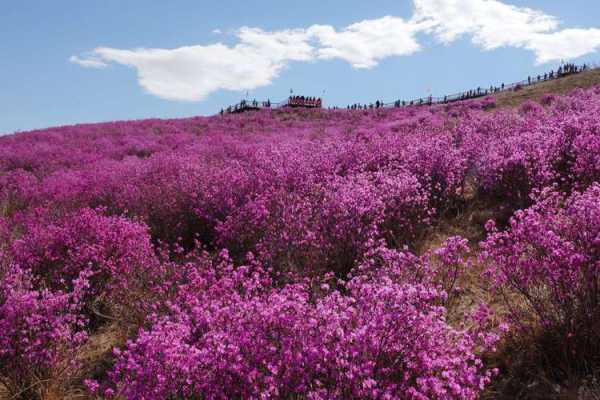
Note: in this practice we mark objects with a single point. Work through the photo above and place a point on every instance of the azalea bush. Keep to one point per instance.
(113, 254)
(548, 265)
(40, 333)
(232, 333)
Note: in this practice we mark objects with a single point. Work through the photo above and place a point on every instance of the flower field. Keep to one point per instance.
(290, 254)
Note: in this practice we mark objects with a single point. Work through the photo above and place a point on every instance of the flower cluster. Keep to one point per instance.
(231, 333)
(40, 330)
(549, 259)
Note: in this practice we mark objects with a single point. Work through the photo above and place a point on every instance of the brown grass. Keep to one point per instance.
(535, 92)
(522, 374)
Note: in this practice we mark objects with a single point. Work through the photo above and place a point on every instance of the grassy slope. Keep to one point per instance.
(558, 86)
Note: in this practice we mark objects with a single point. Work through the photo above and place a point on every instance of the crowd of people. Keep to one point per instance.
(302, 101)
(358, 106)
(293, 101)
(316, 102)
(564, 70)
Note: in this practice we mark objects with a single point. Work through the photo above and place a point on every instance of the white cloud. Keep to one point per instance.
(292, 45)
(217, 31)
(90, 62)
(365, 43)
(565, 44)
(192, 73)
(493, 24)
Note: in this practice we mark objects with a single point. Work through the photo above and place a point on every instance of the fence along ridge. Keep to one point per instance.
(430, 100)
(531, 81)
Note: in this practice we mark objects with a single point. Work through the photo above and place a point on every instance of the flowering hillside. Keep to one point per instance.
(291, 254)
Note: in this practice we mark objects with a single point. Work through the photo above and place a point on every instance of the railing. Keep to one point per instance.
(254, 105)
(569, 69)
(244, 105)
(480, 92)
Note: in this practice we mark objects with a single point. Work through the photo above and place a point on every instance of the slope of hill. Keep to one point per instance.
(563, 85)
(306, 254)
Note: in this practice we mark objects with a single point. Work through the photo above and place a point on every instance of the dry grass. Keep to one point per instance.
(95, 359)
(521, 375)
(564, 85)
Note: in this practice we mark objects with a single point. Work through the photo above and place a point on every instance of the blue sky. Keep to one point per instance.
(69, 61)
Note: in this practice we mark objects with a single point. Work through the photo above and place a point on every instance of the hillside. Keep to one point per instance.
(563, 85)
(441, 252)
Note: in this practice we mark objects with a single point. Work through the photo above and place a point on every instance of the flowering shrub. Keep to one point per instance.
(531, 108)
(548, 99)
(16, 189)
(232, 334)
(281, 227)
(549, 262)
(113, 254)
(40, 331)
(330, 223)
(518, 162)
(488, 102)
(370, 206)
(582, 143)
(441, 269)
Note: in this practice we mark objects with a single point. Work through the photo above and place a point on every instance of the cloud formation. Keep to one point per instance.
(91, 61)
(492, 24)
(565, 44)
(192, 73)
(365, 43)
